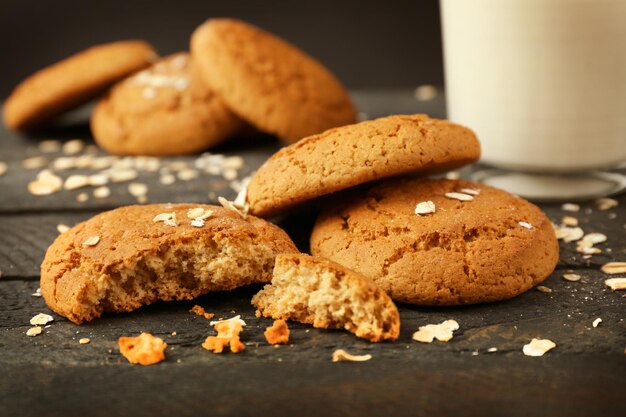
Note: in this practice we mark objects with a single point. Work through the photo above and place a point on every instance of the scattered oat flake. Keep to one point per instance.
(614, 268)
(616, 284)
(570, 207)
(596, 322)
(76, 181)
(37, 293)
(91, 241)
(197, 223)
(569, 221)
(3, 168)
(169, 219)
(84, 341)
(187, 174)
(341, 355)
(425, 207)
(236, 319)
(230, 174)
(453, 175)
(82, 197)
(72, 147)
(229, 205)
(277, 333)
(492, 349)
(594, 238)
(200, 311)
(459, 196)
(137, 189)
(34, 162)
(62, 228)
(49, 146)
(588, 250)
(102, 192)
(526, 225)
(34, 331)
(167, 179)
(544, 289)
(470, 191)
(442, 332)
(571, 277)
(122, 175)
(144, 349)
(537, 347)
(96, 180)
(606, 203)
(46, 183)
(41, 319)
(569, 234)
(425, 92)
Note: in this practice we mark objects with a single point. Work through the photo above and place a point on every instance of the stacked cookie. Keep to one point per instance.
(236, 75)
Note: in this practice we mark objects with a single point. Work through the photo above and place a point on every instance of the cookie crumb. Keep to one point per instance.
(526, 225)
(41, 319)
(538, 347)
(571, 277)
(614, 268)
(200, 311)
(459, 196)
(616, 284)
(544, 289)
(606, 203)
(84, 341)
(442, 332)
(277, 333)
(341, 355)
(91, 241)
(144, 349)
(34, 331)
(596, 322)
(227, 334)
(425, 207)
(571, 207)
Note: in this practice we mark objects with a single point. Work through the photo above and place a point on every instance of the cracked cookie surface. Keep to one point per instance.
(465, 252)
(269, 82)
(351, 155)
(163, 110)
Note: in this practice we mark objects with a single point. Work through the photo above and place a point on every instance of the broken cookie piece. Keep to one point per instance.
(227, 334)
(144, 349)
(278, 333)
(138, 261)
(327, 295)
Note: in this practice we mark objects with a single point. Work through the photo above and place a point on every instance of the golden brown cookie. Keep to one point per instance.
(480, 244)
(350, 155)
(163, 110)
(73, 81)
(328, 296)
(132, 256)
(269, 82)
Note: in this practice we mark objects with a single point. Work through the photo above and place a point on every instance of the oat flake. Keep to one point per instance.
(341, 355)
(41, 319)
(616, 284)
(459, 196)
(538, 347)
(425, 207)
(614, 268)
(442, 332)
(91, 241)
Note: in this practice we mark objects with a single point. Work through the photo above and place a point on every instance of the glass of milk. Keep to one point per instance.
(543, 84)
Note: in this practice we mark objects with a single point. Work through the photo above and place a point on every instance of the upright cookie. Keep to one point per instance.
(473, 244)
(163, 110)
(73, 81)
(328, 296)
(350, 155)
(269, 82)
(133, 256)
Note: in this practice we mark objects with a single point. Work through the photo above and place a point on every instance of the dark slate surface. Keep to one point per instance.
(52, 375)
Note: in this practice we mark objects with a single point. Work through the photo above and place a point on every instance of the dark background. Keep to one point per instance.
(368, 44)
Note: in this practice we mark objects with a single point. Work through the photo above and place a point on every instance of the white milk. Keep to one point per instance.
(542, 82)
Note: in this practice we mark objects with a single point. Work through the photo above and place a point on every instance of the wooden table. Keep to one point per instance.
(53, 375)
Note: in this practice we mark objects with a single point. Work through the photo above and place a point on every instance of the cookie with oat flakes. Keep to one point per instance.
(491, 247)
(152, 252)
(73, 81)
(165, 109)
(269, 82)
(351, 155)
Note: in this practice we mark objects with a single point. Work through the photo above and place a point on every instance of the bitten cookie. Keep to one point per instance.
(327, 295)
(133, 256)
(480, 244)
(350, 155)
(163, 110)
(269, 82)
(73, 81)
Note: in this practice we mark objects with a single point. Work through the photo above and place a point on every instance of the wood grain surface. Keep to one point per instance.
(53, 375)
